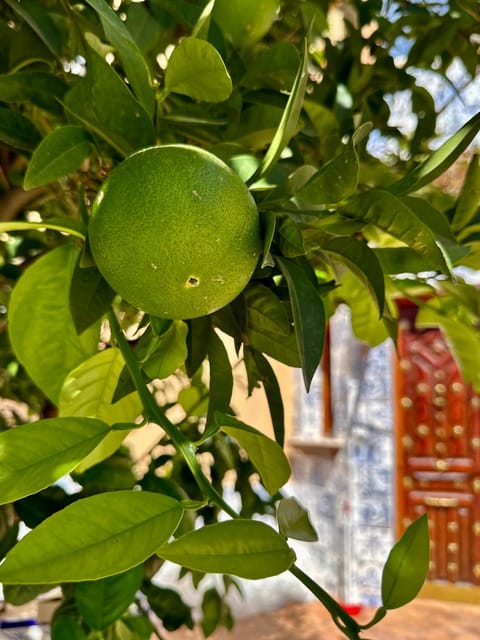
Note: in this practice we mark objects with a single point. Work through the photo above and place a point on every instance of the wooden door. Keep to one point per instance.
(438, 452)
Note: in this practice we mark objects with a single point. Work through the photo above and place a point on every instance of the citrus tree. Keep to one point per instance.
(174, 173)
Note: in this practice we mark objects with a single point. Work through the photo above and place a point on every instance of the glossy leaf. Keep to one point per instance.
(197, 70)
(17, 131)
(72, 227)
(269, 325)
(288, 124)
(65, 627)
(40, 20)
(197, 343)
(90, 297)
(269, 227)
(358, 256)
(265, 454)
(469, 200)
(135, 65)
(259, 370)
(169, 351)
(245, 548)
(399, 260)
(221, 377)
(334, 182)
(42, 89)
(366, 324)
(308, 316)
(390, 214)
(168, 605)
(37, 454)
(439, 161)
(92, 538)
(294, 521)
(103, 103)
(41, 328)
(407, 566)
(60, 153)
(462, 337)
(101, 602)
(290, 239)
(215, 612)
(88, 391)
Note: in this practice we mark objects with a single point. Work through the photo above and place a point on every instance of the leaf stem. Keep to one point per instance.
(350, 627)
(154, 413)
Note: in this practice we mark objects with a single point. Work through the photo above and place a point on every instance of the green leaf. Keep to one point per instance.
(308, 316)
(66, 225)
(103, 104)
(196, 69)
(221, 377)
(202, 25)
(288, 124)
(407, 565)
(135, 65)
(358, 256)
(463, 337)
(40, 21)
(95, 537)
(265, 454)
(269, 225)
(215, 612)
(90, 297)
(42, 89)
(290, 239)
(101, 602)
(168, 605)
(389, 213)
(469, 199)
(197, 343)
(211, 611)
(169, 351)
(59, 154)
(37, 454)
(439, 160)
(366, 324)
(88, 391)
(395, 260)
(269, 326)
(436, 220)
(65, 627)
(294, 521)
(41, 328)
(334, 182)
(259, 370)
(19, 595)
(245, 548)
(17, 131)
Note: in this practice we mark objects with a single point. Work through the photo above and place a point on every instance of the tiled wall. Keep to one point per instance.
(350, 494)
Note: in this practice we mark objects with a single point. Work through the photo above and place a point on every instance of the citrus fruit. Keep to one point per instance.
(245, 22)
(175, 231)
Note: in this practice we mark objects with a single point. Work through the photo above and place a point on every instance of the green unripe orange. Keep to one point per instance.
(175, 231)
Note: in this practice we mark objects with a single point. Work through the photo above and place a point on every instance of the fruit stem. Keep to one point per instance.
(154, 413)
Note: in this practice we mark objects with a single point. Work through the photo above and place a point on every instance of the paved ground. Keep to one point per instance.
(420, 620)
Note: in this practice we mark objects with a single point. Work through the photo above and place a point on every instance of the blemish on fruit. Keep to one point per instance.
(192, 281)
(197, 195)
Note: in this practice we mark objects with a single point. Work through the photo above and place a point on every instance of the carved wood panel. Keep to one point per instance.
(438, 452)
